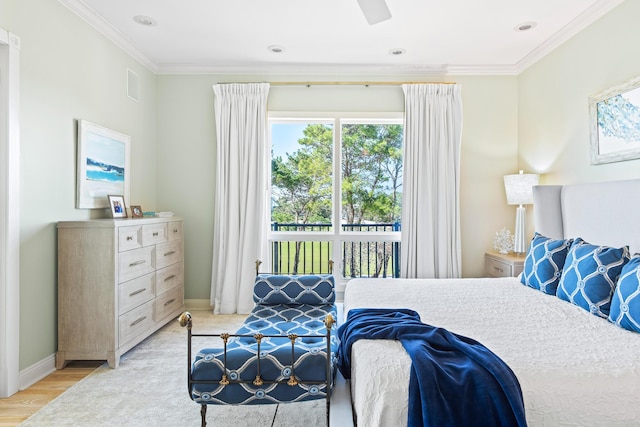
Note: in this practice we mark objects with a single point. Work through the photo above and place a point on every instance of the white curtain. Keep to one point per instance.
(239, 222)
(430, 245)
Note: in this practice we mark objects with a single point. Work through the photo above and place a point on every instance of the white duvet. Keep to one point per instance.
(575, 369)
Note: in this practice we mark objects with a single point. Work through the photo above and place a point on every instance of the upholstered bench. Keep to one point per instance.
(284, 351)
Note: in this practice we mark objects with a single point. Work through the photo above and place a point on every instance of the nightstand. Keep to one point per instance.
(503, 265)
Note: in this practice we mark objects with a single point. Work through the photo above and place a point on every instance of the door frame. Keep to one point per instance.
(9, 214)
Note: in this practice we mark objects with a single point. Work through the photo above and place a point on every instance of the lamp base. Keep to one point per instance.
(519, 244)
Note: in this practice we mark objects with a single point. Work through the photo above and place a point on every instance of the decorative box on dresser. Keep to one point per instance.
(119, 280)
(503, 265)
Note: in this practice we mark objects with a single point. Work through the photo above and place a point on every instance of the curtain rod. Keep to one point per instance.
(345, 83)
(354, 83)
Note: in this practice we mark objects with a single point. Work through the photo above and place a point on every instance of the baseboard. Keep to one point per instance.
(197, 304)
(37, 371)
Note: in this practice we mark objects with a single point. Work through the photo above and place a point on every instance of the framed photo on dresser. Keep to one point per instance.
(117, 206)
(136, 211)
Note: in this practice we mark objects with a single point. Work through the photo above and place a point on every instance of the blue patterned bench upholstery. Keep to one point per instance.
(285, 305)
(311, 289)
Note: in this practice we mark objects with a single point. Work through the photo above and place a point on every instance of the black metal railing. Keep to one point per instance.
(359, 259)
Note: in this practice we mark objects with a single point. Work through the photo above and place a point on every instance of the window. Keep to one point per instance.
(336, 183)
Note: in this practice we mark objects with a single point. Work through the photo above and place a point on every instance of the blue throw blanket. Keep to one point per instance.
(455, 381)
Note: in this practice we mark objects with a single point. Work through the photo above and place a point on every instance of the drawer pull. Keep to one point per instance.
(169, 253)
(129, 238)
(155, 234)
(498, 269)
(175, 230)
(133, 264)
(169, 302)
(139, 291)
(138, 321)
(173, 276)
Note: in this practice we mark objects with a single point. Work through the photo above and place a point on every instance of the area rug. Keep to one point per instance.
(149, 388)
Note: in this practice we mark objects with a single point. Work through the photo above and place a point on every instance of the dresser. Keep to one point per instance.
(119, 280)
(503, 265)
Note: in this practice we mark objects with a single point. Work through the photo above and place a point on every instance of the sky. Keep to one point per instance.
(284, 137)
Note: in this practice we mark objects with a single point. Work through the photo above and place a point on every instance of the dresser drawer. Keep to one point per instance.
(169, 277)
(168, 253)
(175, 230)
(167, 303)
(154, 233)
(135, 322)
(129, 238)
(496, 268)
(135, 263)
(135, 292)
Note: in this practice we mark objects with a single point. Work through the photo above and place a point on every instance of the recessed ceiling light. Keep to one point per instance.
(397, 51)
(525, 26)
(145, 20)
(274, 48)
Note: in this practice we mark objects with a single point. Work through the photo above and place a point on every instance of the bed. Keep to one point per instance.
(284, 352)
(575, 368)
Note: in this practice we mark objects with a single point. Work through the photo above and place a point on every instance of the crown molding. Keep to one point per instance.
(343, 70)
(106, 29)
(582, 21)
(482, 70)
(305, 69)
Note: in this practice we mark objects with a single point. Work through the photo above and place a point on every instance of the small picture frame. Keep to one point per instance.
(117, 206)
(136, 211)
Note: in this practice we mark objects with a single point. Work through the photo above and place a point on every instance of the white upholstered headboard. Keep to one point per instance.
(602, 213)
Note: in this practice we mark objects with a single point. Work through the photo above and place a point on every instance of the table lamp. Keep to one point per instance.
(519, 189)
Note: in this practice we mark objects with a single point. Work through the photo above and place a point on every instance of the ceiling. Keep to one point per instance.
(332, 36)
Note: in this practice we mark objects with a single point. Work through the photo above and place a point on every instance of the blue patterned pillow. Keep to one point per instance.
(544, 262)
(294, 289)
(590, 274)
(625, 304)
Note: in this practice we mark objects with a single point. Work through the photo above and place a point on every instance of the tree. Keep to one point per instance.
(301, 184)
(371, 172)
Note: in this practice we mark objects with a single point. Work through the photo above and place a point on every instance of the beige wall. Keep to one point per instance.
(553, 119)
(67, 72)
(186, 137)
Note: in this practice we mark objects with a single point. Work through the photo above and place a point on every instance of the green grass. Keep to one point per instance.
(315, 256)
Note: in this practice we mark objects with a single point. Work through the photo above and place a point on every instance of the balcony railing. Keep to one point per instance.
(359, 258)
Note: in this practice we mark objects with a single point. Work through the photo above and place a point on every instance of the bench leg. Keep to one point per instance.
(203, 415)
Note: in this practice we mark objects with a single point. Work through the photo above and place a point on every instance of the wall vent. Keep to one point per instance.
(133, 85)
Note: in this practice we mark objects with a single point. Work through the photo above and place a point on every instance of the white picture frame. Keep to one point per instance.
(103, 165)
(614, 116)
(117, 206)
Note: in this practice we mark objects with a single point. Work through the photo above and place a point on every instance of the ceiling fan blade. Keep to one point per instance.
(374, 10)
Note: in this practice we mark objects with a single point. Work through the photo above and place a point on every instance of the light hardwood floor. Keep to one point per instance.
(20, 406)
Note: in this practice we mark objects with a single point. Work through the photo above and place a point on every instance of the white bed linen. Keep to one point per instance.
(575, 369)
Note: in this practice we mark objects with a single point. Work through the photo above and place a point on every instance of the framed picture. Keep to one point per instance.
(103, 165)
(117, 206)
(615, 123)
(136, 212)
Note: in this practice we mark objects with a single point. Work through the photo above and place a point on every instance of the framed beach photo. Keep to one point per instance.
(615, 123)
(136, 212)
(102, 166)
(117, 206)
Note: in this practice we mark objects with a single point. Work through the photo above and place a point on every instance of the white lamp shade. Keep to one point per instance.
(519, 188)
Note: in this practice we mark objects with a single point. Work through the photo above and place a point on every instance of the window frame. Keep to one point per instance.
(336, 235)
